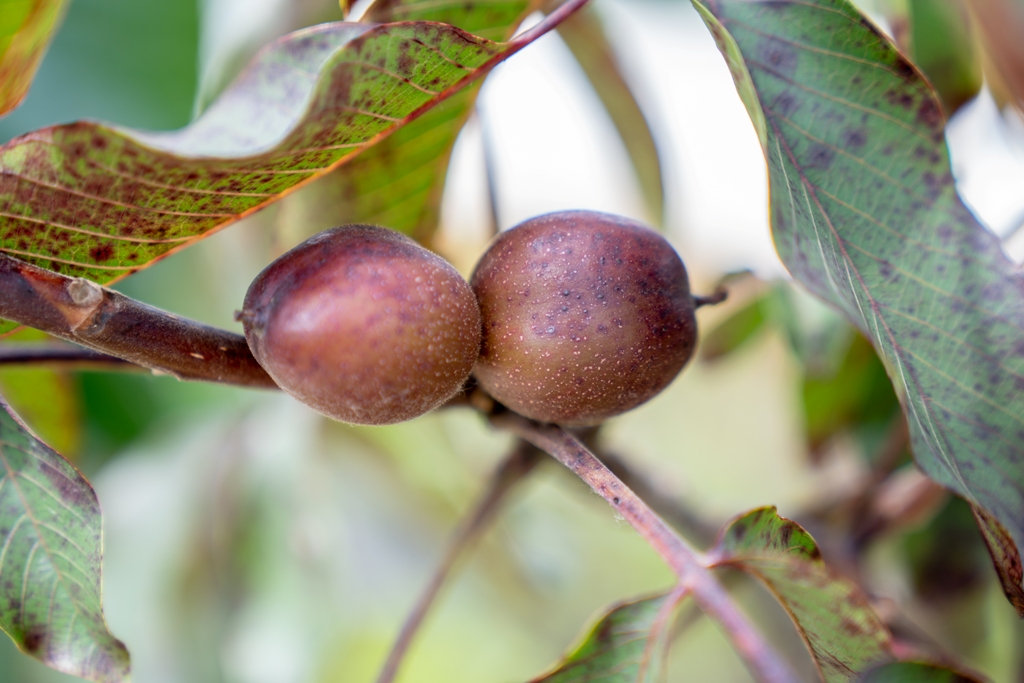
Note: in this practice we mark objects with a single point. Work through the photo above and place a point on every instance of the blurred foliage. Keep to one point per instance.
(132, 63)
(626, 645)
(49, 401)
(26, 27)
(938, 574)
(845, 388)
(942, 44)
(913, 672)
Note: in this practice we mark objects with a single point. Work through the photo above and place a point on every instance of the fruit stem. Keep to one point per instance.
(717, 297)
(516, 466)
(80, 311)
(689, 565)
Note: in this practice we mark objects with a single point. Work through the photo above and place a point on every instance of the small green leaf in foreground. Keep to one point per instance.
(912, 672)
(843, 633)
(865, 214)
(627, 645)
(50, 560)
(25, 30)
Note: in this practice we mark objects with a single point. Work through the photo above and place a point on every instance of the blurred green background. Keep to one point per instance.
(251, 541)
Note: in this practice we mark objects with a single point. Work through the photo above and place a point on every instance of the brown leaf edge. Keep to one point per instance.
(1005, 557)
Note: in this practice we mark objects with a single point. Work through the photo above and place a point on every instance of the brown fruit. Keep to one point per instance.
(586, 315)
(363, 325)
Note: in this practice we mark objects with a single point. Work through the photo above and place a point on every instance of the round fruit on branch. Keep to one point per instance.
(364, 325)
(585, 315)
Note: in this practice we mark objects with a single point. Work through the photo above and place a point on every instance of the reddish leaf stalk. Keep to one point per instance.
(82, 312)
(511, 471)
(764, 663)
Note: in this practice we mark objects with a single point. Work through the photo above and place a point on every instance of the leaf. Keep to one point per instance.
(45, 398)
(25, 30)
(491, 19)
(912, 672)
(939, 576)
(1005, 556)
(941, 44)
(50, 560)
(865, 214)
(399, 181)
(734, 331)
(856, 397)
(585, 37)
(626, 645)
(98, 202)
(843, 633)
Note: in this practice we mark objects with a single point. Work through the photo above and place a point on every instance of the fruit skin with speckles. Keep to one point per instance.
(586, 315)
(364, 325)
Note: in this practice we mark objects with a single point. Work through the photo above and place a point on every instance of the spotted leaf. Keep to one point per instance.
(865, 214)
(51, 551)
(843, 633)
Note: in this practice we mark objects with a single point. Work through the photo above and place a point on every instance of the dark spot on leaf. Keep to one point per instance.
(785, 533)
(903, 68)
(781, 58)
(930, 115)
(854, 138)
(101, 253)
(820, 157)
(35, 638)
(900, 98)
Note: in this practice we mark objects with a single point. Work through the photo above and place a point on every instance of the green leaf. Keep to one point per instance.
(626, 645)
(585, 37)
(865, 214)
(843, 633)
(50, 560)
(25, 30)
(734, 331)
(399, 181)
(941, 44)
(98, 202)
(856, 397)
(491, 19)
(912, 672)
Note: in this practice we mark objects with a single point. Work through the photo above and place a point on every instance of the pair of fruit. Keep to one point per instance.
(570, 318)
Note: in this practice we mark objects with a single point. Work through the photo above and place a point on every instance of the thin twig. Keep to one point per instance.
(82, 312)
(511, 471)
(764, 663)
(63, 356)
(716, 297)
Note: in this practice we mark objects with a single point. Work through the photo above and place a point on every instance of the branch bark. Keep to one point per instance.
(764, 663)
(85, 313)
